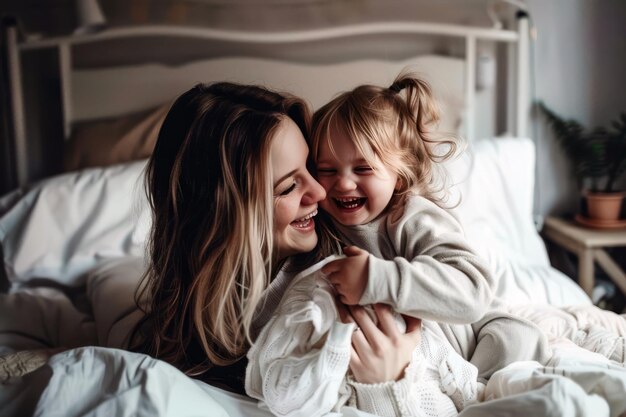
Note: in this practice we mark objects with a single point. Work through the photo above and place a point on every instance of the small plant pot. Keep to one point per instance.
(604, 206)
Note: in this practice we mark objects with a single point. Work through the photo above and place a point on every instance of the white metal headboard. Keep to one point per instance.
(517, 80)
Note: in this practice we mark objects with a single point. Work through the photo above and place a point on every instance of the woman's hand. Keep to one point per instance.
(380, 353)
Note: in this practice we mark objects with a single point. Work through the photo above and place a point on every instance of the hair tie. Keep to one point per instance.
(396, 88)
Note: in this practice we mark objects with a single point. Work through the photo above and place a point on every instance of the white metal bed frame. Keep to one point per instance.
(517, 78)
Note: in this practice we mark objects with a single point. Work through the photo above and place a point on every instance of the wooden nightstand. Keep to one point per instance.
(588, 244)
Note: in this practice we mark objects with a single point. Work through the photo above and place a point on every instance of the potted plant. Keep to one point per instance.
(598, 159)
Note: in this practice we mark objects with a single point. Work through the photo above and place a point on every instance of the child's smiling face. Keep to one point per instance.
(357, 193)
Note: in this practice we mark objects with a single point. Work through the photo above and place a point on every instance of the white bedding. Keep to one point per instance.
(61, 227)
(97, 256)
(95, 381)
(494, 182)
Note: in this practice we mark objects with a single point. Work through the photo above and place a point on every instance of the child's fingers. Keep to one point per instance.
(342, 296)
(344, 314)
(332, 266)
(334, 278)
(352, 250)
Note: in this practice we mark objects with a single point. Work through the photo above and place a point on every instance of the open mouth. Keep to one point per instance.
(305, 222)
(350, 203)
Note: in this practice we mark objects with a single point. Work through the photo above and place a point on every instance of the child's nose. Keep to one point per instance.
(345, 183)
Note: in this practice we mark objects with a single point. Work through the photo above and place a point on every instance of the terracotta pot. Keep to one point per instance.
(604, 206)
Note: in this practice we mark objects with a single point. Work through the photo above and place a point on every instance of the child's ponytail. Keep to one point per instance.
(418, 116)
(422, 113)
(419, 100)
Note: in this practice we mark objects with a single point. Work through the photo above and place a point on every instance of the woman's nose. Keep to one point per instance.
(314, 193)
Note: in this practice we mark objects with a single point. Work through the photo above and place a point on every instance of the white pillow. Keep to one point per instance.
(63, 226)
(495, 181)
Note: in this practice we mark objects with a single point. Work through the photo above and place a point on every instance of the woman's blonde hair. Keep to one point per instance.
(396, 126)
(210, 251)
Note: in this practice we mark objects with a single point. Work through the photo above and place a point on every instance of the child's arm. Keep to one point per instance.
(436, 274)
(433, 273)
(299, 361)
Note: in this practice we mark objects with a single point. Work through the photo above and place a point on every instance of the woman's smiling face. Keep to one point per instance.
(296, 193)
(357, 193)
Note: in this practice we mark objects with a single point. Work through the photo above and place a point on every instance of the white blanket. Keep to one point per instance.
(95, 381)
(99, 381)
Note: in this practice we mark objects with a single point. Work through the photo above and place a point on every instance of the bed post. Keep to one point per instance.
(522, 106)
(470, 87)
(17, 129)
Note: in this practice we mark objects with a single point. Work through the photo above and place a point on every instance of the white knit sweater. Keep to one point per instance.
(299, 362)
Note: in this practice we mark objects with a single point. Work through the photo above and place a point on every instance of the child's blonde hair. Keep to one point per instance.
(395, 125)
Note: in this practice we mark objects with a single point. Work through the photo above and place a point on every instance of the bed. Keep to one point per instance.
(73, 243)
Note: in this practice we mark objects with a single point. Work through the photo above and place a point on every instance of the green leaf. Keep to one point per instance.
(598, 155)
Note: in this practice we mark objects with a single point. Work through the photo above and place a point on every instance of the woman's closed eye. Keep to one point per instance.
(287, 190)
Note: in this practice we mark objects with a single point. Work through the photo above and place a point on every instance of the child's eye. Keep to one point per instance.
(363, 169)
(288, 190)
(325, 171)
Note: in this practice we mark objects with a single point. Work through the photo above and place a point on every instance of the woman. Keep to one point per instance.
(233, 220)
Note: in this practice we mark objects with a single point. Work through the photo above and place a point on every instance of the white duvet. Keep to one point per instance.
(96, 381)
(101, 381)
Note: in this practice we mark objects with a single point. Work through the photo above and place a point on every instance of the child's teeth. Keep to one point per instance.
(349, 202)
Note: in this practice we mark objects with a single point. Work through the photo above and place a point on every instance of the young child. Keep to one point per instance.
(376, 157)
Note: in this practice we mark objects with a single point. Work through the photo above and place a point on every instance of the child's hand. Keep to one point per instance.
(349, 275)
